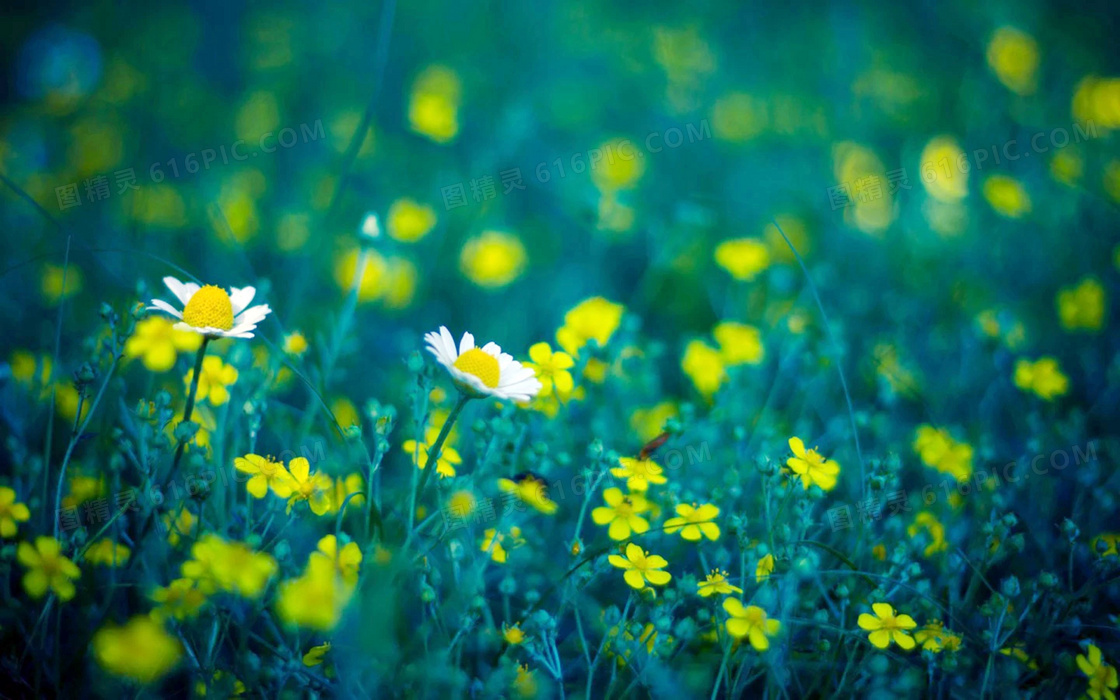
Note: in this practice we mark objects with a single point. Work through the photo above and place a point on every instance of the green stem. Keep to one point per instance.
(433, 455)
(189, 410)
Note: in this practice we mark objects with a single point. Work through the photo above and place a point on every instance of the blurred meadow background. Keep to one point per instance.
(819, 298)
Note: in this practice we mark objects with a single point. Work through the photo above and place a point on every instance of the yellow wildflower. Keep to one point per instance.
(743, 258)
(228, 566)
(639, 473)
(525, 683)
(640, 567)
(141, 650)
(621, 513)
(346, 561)
(316, 599)
(1043, 377)
(215, 377)
(410, 221)
(295, 344)
(811, 467)
(649, 422)
(433, 107)
(493, 259)
(937, 448)
(716, 583)
(181, 599)
(934, 637)
(107, 553)
(11, 512)
(928, 522)
(47, 569)
(750, 622)
(512, 634)
(314, 655)
(1082, 307)
(1013, 57)
(156, 342)
(182, 524)
(54, 289)
(739, 344)
(351, 486)
(267, 473)
(552, 369)
(1007, 197)
(498, 544)
(764, 569)
(885, 626)
(595, 319)
(305, 486)
(531, 490)
(704, 366)
(1102, 677)
(694, 521)
(448, 455)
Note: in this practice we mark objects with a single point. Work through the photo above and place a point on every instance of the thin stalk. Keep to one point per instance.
(433, 456)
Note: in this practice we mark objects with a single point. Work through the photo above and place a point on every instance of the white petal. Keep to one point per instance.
(449, 349)
(468, 379)
(180, 290)
(181, 326)
(240, 298)
(492, 348)
(438, 348)
(254, 314)
(161, 305)
(467, 343)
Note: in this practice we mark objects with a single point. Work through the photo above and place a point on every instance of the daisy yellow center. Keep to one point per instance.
(210, 307)
(481, 364)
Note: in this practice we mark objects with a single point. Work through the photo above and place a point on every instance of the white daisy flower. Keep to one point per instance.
(485, 371)
(211, 311)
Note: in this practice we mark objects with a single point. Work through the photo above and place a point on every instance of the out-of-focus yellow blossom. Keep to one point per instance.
(433, 108)
(47, 569)
(640, 567)
(54, 289)
(525, 682)
(1017, 652)
(159, 206)
(345, 412)
(1067, 166)
(1096, 102)
(82, 488)
(764, 569)
(448, 455)
(1043, 377)
(142, 650)
(621, 513)
(314, 655)
(461, 504)
(614, 216)
(934, 637)
(938, 449)
(687, 59)
(704, 366)
(267, 473)
(929, 524)
(552, 369)
(346, 560)
(352, 486)
(374, 272)
(179, 526)
(295, 344)
(1102, 677)
(180, 599)
(32, 372)
(67, 400)
(11, 512)
(739, 343)
(314, 488)
(743, 258)
(1112, 179)
(694, 521)
(106, 552)
(257, 114)
(751, 623)
(639, 473)
(872, 207)
(716, 583)
(498, 544)
(156, 342)
(513, 634)
(595, 319)
(1007, 197)
(999, 324)
(316, 599)
(238, 199)
(1013, 57)
(647, 638)
(738, 117)
(885, 626)
(796, 231)
(622, 169)
(942, 175)
(293, 231)
(213, 380)
(224, 686)
(219, 565)
(531, 490)
(649, 422)
(409, 221)
(901, 379)
(493, 259)
(341, 129)
(811, 467)
(1111, 539)
(1082, 307)
(879, 552)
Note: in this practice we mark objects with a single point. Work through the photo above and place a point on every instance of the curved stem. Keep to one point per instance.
(189, 410)
(433, 455)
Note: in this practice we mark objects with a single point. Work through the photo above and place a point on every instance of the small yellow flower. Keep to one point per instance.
(498, 544)
(410, 221)
(621, 513)
(461, 504)
(141, 650)
(640, 567)
(1042, 377)
(84, 487)
(228, 566)
(1013, 57)
(106, 552)
(934, 637)
(704, 366)
(213, 380)
(346, 561)
(530, 490)
(316, 599)
(512, 634)
(1016, 652)
(433, 106)
(525, 683)
(156, 342)
(750, 622)
(267, 473)
(937, 448)
(295, 344)
(179, 526)
(180, 599)
(928, 522)
(493, 259)
(716, 583)
(47, 569)
(739, 344)
(314, 655)
(886, 627)
(11, 512)
(314, 488)
(552, 369)
(1102, 677)
(1007, 197)
(764, 569)
(649, 422)
(694, 521)
(811, 467)
(223, 686)
(1112, 539)
(639, 473)
(1082, 307)
(595, 319)
(743, 258)
(351, 486)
